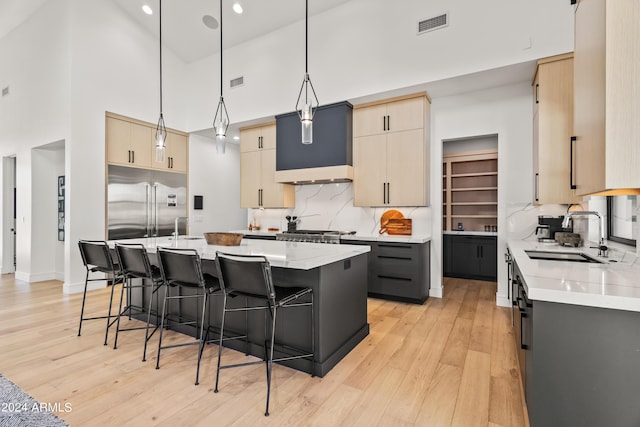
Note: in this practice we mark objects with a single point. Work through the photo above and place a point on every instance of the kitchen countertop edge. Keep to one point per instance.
(612, 286)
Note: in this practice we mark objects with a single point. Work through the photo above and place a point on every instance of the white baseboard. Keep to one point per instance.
(502, 301)
(76, 288)
(59, 276)
(38, 277)
(436, 292)
(21, 276)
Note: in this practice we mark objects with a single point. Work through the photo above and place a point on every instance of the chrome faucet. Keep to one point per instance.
(602, 247)
(177, 220)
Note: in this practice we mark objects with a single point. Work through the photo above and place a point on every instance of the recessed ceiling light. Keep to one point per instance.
(210, 21)
(237, 8)
(236, 137)
(147, 9)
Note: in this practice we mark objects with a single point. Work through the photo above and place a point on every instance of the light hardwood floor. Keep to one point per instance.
(451, 361)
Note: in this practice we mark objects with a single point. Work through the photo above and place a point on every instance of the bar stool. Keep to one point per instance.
(134, 264)
(182, 269)
(250, 276)
(97, 258)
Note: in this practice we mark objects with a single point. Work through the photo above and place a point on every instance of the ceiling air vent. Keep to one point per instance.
(5, 91)
(239, 81)
(430, 24)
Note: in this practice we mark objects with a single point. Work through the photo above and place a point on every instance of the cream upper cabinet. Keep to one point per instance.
(552, 130)
(127, 143)
(258, 187)
(390, 153)
(396, 116)
(131, 142)
(176, 154)
(256, 138)
(606, 101)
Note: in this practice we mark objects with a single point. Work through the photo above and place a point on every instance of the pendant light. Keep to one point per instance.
(307, 110)
(161, 130)
(221, 119)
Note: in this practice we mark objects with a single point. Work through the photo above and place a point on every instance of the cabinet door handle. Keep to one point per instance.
(388, 122)
(571, 183)
(536, 186)
(523, 316)
(384, 192)
(537, 93)
(384, 122)
(388, 192)
(129, 156)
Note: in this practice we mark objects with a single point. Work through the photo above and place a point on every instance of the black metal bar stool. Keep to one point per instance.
(97, 258)
(135, 265)
(182, 269)
(250, 276)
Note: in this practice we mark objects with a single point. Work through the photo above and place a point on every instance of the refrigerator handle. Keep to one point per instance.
(146, 208)
(155, 210)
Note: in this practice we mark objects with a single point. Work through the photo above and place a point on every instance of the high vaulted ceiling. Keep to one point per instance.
(182, 28)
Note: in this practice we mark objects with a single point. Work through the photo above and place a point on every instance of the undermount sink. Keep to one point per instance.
(562, 256)
(186, 238)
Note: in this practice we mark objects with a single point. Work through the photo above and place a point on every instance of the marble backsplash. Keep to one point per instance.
(330, 207)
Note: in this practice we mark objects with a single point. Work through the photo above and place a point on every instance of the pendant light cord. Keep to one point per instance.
(306, 38)
(220, 48)
(160, 45)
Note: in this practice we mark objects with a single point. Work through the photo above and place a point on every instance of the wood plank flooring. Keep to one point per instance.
(449, 362)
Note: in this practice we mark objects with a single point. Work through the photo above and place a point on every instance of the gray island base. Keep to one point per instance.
(340, 300)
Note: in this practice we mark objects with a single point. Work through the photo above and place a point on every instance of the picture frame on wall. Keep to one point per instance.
(61, 208)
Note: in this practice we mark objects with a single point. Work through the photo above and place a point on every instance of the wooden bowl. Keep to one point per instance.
(223, 239)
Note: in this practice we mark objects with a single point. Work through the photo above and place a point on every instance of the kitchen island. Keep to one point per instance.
(336, 273)
(577, 336)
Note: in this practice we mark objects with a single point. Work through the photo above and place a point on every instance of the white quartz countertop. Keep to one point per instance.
(296, 255)
(609, 285)
(387, 238)
(358, 236)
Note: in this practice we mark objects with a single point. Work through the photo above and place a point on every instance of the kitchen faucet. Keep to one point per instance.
(602, 248)
(178, 219)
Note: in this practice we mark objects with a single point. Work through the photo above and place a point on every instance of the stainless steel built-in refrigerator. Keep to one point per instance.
(144, 203)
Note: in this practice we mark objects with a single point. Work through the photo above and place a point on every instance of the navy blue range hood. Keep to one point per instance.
(328, 159)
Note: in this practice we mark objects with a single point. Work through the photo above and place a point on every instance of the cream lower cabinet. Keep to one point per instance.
(390, 152)
(390, 169)
(176, 154)
(554, 177)
(257, 182)
(128, 143)
(606, 101)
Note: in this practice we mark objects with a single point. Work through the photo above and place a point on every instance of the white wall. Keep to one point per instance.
(507, 112)
(73, 60)
(47, 253)
(216, 177)
(34, 63)
(366, 47)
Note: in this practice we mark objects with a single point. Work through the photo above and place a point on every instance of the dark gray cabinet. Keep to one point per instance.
(398, 271)
(470, 256)
(580, 365)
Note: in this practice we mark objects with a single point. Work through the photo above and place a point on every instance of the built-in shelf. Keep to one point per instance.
(474, 189)
(470, 190)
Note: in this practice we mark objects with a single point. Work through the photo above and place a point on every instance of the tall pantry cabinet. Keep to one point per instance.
(606, 101)
(391, 152)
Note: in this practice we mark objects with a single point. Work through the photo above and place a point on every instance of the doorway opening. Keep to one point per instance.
(470, 207)
(9, 223)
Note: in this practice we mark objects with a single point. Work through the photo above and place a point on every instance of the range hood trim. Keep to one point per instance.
(321, 175)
